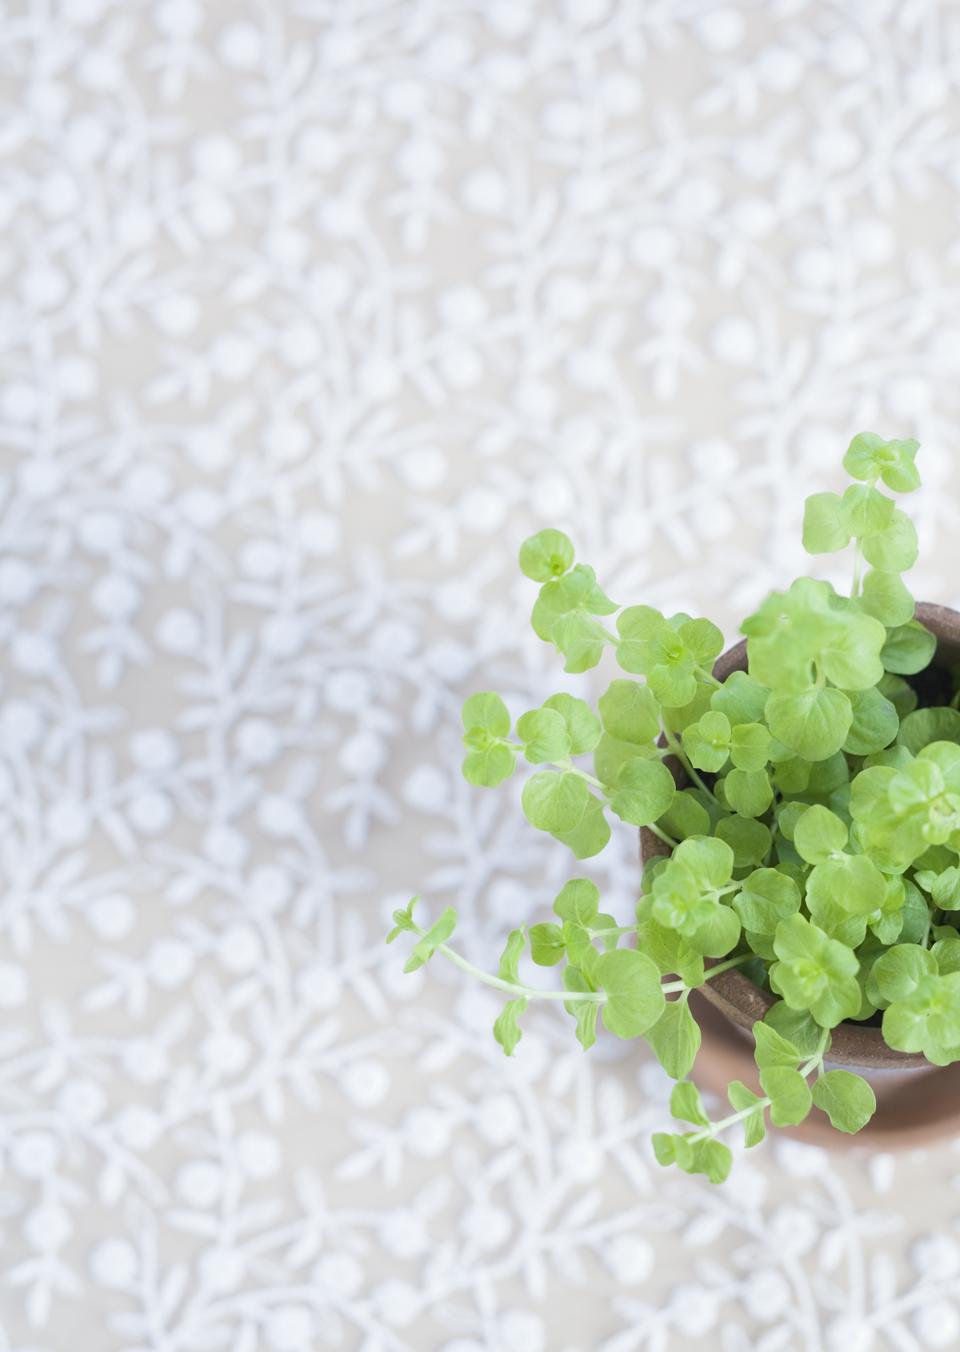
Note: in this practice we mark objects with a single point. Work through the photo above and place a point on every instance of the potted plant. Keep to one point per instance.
(799, 807)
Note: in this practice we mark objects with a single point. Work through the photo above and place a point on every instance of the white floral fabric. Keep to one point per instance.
(309, 311)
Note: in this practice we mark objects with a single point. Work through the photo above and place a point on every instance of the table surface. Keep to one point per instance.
(309, 313)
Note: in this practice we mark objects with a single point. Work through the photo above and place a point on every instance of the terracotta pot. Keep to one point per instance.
(915, 1102)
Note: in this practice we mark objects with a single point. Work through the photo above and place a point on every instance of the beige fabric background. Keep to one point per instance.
(309, 311)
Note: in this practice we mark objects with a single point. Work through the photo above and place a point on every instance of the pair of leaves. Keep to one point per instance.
(814, 972)
(923, 1002)
(712, 740)
(668, 652)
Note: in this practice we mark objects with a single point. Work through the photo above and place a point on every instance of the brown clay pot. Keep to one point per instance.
(915, 1102)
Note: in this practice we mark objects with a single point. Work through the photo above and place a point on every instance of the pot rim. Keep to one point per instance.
(743, 1002)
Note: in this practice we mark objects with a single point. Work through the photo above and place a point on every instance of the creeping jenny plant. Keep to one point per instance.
(817, 846)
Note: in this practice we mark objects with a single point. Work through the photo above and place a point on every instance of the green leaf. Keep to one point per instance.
(486, 710)
(506, 1028)
(815, 972)
(650, 646)
(581, 640)
(867, 511)
(773, 1049)
(490, 767)
(850, 649)
(686, 1104)
(640, 629)
(686, 816)
(767, 897)
(848, 1100)
(438, 933)
(591, 833)
(943, 887)
(706, 743)
(748, 839)
(675, 1039)
(403, 921)
(545, 737)
(853, 882)
(546, 555)
(668, 949)
(749, 746)
(908, 649)
(510, 958)
(748, 792)
(819, 834)
(585, 1012)
(703, 640)
(486, 720)
(902, 970)
(799, 1029)
(814, 723)
(895, 549)
(577, 901)
(887, 598)
(875, 723)
(547, 946)
(629, 712)
(635, 999)
(743, 1099)
(789, 1094)
(555, 802)
(645, 789)
(582, 724)
(900, 693)
(741, 698)
(927, 1020)
(825, 527)
(870, 457)
(923, 726)
(708, 1156)
(718, 933)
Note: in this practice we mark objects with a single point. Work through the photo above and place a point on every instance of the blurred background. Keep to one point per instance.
(310, 310)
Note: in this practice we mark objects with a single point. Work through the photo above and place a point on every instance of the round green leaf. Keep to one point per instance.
(847, 1099)
(675, 1039)
(924, 726)
(748, 792)
(767, 897)
(875, 723)
(894, 549)
(814, 723)
(908, 649)
(546, 555)
(819, 834)
(645, 789)
(486, 710)
(629, 712)
(555, 802)
(635, 998)
(748, 839)
(886, 597)
(577, 901)
(545, 737)
(583, 726)
(825, 526)
(490, 767)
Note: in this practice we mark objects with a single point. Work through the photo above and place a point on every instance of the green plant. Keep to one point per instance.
(816, 844)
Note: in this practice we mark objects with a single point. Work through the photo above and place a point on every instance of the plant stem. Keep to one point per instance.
(670, 987)
(857, 561)
(512, 987)
(708, 1133)
(675, 747)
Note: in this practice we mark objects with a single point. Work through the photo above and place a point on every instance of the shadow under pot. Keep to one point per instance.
(916, 1102)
